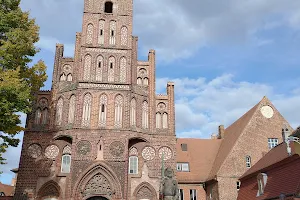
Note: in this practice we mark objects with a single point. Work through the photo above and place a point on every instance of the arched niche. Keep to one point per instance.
(145, 191)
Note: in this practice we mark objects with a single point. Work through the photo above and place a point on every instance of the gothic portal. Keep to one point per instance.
(101, 132)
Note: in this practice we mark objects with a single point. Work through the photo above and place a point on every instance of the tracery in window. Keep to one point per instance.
(45, 116)
(145, 113)
(118, 111)
(112, 30)
(89, 34)
(99, 68)
(102, 110)
(86, 114)
(123, 70)
(87, 67)
(124, 35)
(71, 115)
(133, 112)
(101, 31)
(59, 111)
(111, 69)
(38, 115)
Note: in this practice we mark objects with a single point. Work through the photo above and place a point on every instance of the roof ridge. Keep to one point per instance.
(253, 110)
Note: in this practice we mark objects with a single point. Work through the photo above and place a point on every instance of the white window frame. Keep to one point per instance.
(134, 171)
(238, 185)
(181, 167)
(62, 164)
(193, 194)
(181, 193)
(272, 142)
(248, 161)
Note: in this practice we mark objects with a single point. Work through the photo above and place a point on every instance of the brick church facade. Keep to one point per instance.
(102, 131)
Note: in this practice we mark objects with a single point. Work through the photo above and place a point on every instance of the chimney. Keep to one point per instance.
(221, 132)
(285, 133)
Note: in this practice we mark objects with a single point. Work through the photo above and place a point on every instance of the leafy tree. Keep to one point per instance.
(18, 80)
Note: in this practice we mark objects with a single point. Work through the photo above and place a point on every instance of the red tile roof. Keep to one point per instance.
(200, 155)
(7, 189)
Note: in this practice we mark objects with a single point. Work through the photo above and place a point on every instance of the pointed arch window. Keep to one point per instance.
(99, 68)
(146, 82)
(89, 34)
(123, 70)
(165, 120)
(145, 115)
(59, 111)
(139, 81)
(102, 110)
(133, 165)
(111, 69)
(87, 67)
(158, 120)
(45, 116)
(38, 115)
(133, 112)
(66, 160)
(86, 114)
(101, 31)
(118, 111)
(71, 115)
(112, 30)
(69, 77)
(62, 77)
(124, 35)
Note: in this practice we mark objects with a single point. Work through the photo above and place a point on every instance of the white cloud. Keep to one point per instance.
(201, 105)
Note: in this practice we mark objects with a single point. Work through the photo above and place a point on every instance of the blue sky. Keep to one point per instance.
(223, 56)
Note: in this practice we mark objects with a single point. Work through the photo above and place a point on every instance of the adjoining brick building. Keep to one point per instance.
(276, 175)
(210, 169)
(101, 132)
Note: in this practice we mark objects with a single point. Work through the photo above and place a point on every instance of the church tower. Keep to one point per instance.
(101, 132)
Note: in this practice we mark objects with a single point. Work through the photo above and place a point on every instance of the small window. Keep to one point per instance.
(99, 64)
(2, 194)
(272, 142)
(184, 167)
(238, 185)
(103, 108)
(133, 165)
(108, 7)
(248, 161)
(184, 147)
(193, 194)
(111, 65)
(181, 197)
(66, 163)
(101, 32)
(112, 33)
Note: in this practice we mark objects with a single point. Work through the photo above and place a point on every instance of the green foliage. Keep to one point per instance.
(18, 80)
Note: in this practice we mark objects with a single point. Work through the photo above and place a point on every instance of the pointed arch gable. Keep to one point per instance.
(49, 189)
(145, 191)
(99, 168)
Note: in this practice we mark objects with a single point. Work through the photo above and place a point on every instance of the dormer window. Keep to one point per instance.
(262, 181)
(108, 8)
(184, 147)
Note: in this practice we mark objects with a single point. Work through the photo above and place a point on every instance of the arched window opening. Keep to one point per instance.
(133, 112)
(133, 165)
(69, 77)
(165, 120)
(66, 160)
(112, 38)
(248, 161)
(124, 35)
(100, 149)
(103, 110)
(38, 115)
(99, 69)
(87, 67)
(145, 115)
(89, 34)
(118, 111)
(59, 111)
(86, 114)
(101, 31)
(45, 116)
(145, 82)
(158, 120)
(108, 7)
(71, 115)
(63, 77)
(139, 81)
(111, 70)
(123, 70)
